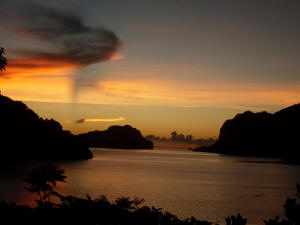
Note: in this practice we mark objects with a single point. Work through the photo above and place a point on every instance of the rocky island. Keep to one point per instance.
(26, 136)
(124, 137)
(261, 134)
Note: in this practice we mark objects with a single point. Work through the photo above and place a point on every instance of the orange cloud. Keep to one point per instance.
(152, 91)
(186, 94)
(30, 67)
(83, 120)
(116, 57)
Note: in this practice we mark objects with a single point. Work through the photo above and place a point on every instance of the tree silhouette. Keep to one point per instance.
(3, 61)
(42, 181)
(235, 220)
(291, 211)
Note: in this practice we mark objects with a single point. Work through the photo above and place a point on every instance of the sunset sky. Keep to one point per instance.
(159, 66)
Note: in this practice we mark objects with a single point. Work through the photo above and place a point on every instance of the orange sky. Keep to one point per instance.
(39, 84)
(182, 102)
(173, 67)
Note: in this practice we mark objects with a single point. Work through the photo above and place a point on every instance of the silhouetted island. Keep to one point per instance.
(124, 137)
(26, 136)
(261, 134)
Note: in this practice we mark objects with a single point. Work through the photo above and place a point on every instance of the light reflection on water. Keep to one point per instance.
(207, 186)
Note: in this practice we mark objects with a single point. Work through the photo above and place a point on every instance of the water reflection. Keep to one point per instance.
(208, 186)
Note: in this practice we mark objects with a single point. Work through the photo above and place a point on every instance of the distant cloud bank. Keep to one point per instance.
(181, 138)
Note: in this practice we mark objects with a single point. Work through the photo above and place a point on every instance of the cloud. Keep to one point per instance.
(73, 44)
(84, 120)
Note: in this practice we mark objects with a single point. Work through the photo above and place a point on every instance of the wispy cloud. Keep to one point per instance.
(84, 120)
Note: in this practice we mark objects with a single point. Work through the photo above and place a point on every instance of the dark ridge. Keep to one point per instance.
(25, 136)
(124, 137)
(261, 134)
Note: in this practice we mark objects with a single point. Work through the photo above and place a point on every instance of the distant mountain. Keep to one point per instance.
(124, 137)
(26, 136)
(261, 134)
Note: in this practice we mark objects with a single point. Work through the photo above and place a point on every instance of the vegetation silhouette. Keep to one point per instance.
(3, 61)
(235, 220)
(261, 134)
(42, 181)
(122, 211)
(25, 136)
(124, 137)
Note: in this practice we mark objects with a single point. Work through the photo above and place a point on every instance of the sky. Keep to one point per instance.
(160, 66)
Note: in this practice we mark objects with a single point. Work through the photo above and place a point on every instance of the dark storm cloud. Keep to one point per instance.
(73, 42)
(76, 42)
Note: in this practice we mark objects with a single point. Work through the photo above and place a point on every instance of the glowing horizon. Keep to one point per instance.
(191, 68)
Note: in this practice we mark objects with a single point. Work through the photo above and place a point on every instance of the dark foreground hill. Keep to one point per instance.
(26, 136)
(125, 137)
(261, 134)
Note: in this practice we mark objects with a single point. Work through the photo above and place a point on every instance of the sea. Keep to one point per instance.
(185, 183)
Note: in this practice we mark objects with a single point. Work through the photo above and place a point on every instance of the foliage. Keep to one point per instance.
(235, 220)
(126, 203)
(291, 211)
(42, 181)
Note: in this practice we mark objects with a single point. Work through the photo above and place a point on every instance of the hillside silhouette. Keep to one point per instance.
(124, 137)
(261, 134)
(26, 136)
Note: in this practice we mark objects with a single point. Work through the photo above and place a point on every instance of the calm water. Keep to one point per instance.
(207, 186)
